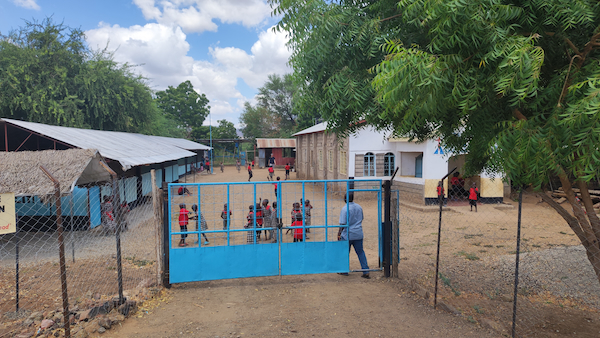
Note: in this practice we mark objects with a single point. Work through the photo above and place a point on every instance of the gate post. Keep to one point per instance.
(166, 237)
(387, 227)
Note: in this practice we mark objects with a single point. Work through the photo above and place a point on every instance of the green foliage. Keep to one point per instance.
(48, 75)
(257, 122)
(184, 105)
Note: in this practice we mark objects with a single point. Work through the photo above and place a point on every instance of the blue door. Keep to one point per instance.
(419, 166)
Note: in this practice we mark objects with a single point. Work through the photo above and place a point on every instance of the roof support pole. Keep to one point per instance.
(6, 136)
(22, 143)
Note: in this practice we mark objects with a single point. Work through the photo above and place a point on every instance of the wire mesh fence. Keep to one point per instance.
(93, 217)
(557, 291)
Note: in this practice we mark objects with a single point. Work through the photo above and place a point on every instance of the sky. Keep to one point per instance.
(225, 48)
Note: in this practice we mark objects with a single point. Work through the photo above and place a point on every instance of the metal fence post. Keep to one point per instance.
(514, 315)
(61, 252)
(17, 242)
(116, 202)
(437, 258)
(166, 237)
(387, 228)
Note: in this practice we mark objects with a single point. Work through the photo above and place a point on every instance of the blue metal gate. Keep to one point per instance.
(217, 243)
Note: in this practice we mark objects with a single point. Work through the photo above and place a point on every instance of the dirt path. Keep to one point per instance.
(307, 306)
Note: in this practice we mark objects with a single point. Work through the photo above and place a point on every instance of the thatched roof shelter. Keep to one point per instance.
(20, 171)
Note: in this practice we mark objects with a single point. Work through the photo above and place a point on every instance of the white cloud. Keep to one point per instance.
(161, 51)
(29, 4)
(198, 15)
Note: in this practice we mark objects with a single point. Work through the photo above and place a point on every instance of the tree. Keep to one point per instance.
(48, 75)
(334, 46)
(277, 97)
(512, 83)
(257, 122)
(225, 130)
(185, 105)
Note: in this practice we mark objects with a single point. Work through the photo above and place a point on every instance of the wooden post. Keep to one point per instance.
(157, 207)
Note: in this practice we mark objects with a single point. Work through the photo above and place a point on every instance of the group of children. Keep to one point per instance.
(262, 213)
(473, 194)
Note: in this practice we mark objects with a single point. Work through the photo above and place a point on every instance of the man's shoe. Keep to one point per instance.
(366, 276)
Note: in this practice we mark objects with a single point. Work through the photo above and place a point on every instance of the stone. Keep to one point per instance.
(129, 307)
(101, 329)
(36, 316)
(492, 325)
(58, 317)
(88, 294)
(25, 335)
(146, 283)
(422, 292)
(46, 323)
(105, 323)
(447, 307)
(84, 315)
(81, 334)
(506, 298)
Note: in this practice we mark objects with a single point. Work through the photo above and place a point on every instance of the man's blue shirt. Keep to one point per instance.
(354, 217)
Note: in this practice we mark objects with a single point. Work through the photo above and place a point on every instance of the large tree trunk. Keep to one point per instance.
(584, 222)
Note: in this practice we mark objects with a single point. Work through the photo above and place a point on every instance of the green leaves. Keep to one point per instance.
(184, 105)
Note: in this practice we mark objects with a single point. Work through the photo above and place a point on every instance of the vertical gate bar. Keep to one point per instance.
(199, 221)
(166, 233)
(254, 214)
(437, 259)
(118, 217)
(514, 315)
(387, 239)
(326, 223)
(379, 232)
(17, 240)
(303, 200)
(228, 218)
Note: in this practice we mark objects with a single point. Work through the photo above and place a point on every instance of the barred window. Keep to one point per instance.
(369, 167)
(388, 164)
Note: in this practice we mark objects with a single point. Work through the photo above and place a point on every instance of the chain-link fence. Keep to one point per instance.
(557, 290)
(96, 219)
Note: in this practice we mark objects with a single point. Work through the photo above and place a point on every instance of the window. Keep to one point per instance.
(369, 165)
(330, 160)
(388, 164)
(320, 159)
(343, 162)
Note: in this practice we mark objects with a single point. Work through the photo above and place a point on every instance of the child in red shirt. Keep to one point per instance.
(298, 231)
(287, 171)
(276, 186)
(249, 172)
(473, 196)
(183, 223)
(271, 172)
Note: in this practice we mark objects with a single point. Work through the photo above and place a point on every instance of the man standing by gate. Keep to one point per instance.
(352, 215)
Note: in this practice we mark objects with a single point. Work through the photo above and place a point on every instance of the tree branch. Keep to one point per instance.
(517, 113)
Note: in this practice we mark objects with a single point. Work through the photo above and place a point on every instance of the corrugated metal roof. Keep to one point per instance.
(262, 143)
(317, 128)
(127, 148)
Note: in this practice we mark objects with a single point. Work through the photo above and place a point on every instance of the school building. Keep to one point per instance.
(370, 154)
(131, 156)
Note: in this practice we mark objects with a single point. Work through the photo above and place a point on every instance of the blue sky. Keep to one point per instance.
(226, 48)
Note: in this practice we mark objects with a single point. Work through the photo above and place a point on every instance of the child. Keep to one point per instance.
(183, 190)
(222, 167)
(252, 164)
(266, 210)
(203, 225)
(473, 196)
(274, 222)
(250, 225)
(259, 220)
(276, 185)
(287, 171)
(271, 172)
(296, 211)
(307, 214)
(224, 216)
(249, 172)
(298, 231)
(237, 165)
(440, 193)
(183, 223)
